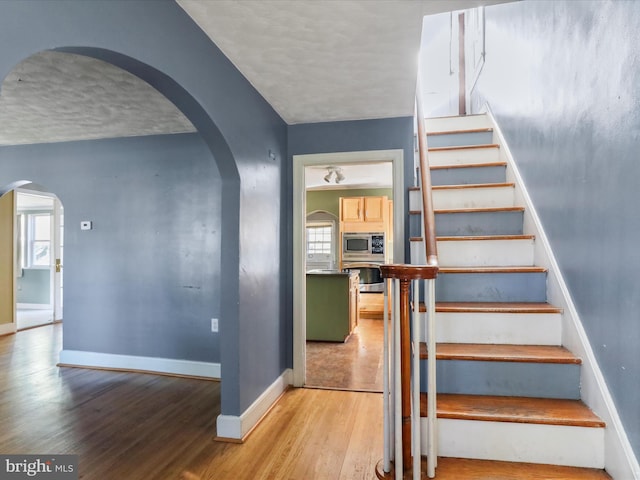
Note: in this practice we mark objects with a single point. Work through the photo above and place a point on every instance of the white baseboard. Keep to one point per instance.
(7, 328)
(620, 460)
(237, 427)
(146, 364)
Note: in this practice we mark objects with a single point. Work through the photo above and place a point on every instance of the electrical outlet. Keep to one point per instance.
(214, 325)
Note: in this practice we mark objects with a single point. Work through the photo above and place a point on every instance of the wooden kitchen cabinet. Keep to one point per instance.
(374, 209)
(351, 209)
(369, 210)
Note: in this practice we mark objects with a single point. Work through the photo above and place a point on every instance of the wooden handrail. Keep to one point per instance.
(404, 275)
(425, 181)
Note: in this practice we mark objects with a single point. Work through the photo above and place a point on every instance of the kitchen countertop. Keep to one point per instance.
(349, 273)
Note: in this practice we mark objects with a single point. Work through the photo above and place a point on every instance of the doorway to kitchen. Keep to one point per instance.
(332, 349)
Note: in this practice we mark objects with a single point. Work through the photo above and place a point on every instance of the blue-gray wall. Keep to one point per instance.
(158, 42)
(146, 280)
(563, 80)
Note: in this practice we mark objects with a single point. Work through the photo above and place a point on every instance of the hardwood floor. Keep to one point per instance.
(353, 365)
(133, 426)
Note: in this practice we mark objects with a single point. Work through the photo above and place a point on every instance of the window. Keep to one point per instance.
(34, 247)
(319, 239)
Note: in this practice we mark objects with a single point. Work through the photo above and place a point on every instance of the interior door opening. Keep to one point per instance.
(327, 362)
(39, 245)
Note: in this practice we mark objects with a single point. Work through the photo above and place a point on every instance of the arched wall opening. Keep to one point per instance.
(170, 49)
(31, 220)
(145, 280)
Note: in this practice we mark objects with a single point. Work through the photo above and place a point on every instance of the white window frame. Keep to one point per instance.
(331, 242)
(26, 243)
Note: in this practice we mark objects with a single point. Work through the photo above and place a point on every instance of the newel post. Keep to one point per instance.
(402, 275)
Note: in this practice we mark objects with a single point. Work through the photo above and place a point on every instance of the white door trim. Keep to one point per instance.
(300, 162)
(54, 280)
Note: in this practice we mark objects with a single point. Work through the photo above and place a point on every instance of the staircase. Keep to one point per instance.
(508, 391)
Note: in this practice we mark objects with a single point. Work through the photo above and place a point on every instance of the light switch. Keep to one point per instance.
(86, 225)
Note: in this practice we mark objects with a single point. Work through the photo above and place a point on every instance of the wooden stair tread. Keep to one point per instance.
(468, 165)
(474, 210)
(458, 238)
(471, 210)
(469, 469)
(462, 238)
(460, 131)
(491, 408)
(464, 147)
(524, 269)
(502, 353)
(463, 186)
(495, 307)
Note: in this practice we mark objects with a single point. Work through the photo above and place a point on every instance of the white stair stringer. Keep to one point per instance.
(520, 442)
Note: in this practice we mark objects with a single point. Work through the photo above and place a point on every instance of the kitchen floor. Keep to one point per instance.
(353, 365)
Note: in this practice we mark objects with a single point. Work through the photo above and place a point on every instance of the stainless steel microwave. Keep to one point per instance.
(363, 246)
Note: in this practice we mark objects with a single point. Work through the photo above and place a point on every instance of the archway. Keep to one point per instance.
(31, 220)
(209, 139)
(161, 37)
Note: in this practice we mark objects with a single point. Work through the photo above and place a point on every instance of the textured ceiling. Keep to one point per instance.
(324, 60)
(57, 97)
(313, 61)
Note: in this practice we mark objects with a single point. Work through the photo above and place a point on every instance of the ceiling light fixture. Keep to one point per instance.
(335, 173)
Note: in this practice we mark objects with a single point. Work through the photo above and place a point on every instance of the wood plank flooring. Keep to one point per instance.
(134, 426)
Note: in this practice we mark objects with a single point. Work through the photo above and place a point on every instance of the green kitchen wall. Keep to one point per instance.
(329, 200)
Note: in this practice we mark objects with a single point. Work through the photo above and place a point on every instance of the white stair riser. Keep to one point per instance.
(418, 255)
(497, 328)
(415, 200)
(470, 156)
(478, 253)
(485, 197)
(449, 124)
(485, 253)
(518, 442)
